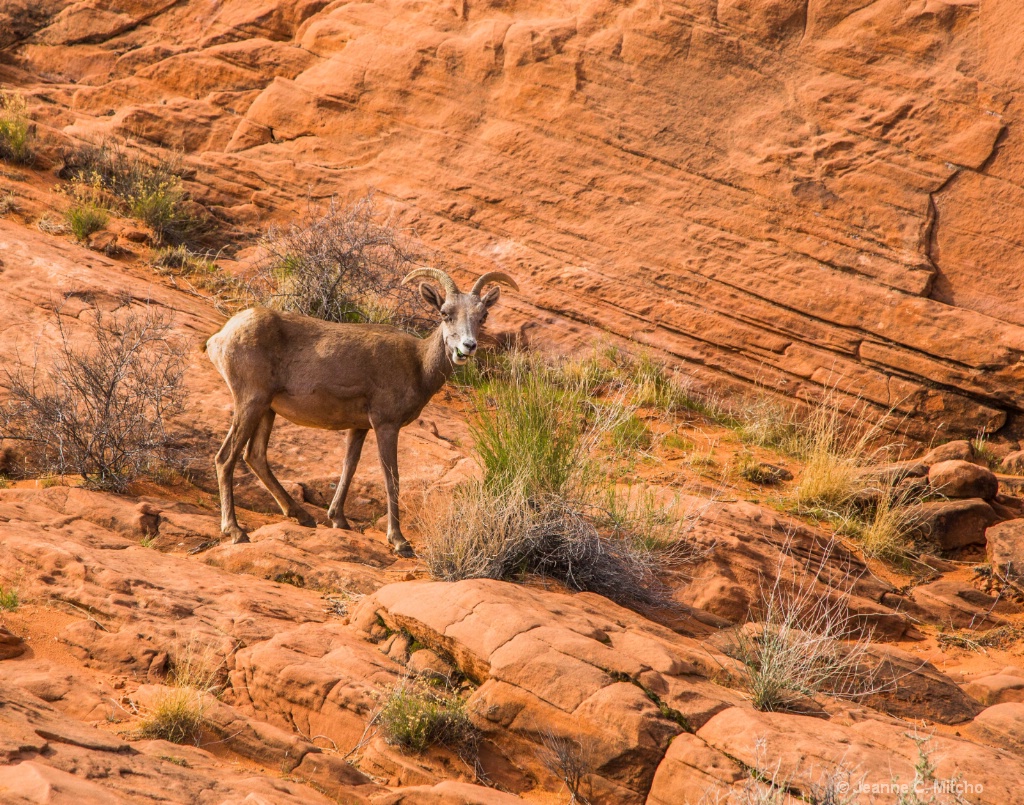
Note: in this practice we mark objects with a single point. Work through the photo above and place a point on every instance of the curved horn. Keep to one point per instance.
(450, 288)
(493, 276)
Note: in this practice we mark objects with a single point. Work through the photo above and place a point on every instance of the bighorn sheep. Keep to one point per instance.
(338, 377)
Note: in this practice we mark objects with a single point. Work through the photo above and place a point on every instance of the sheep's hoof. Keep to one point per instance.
(237, 535)
(340, 522)
(404, 549)
(304, 518)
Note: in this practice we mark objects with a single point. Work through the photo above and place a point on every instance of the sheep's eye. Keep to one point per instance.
(446, 317)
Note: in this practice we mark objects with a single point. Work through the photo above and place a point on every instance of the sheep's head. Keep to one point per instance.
(462, 314)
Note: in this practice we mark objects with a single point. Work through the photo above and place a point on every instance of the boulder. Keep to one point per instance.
(959, 450)
(10, 644)
(427, 663)
(1013, 463)
(802, 751)
(947, 525)
(962, 479)
(1004, 544)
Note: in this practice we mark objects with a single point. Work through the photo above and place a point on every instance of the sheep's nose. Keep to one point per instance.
(469, 346)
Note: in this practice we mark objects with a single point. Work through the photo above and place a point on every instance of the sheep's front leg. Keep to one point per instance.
(336, 513)
(387, 446)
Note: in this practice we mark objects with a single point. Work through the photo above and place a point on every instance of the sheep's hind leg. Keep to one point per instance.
(387, 446)
(256, 458)
(243, 424)
(336, 514)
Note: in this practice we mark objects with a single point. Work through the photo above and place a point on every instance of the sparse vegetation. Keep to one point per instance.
(801, 643)
(543, 505)
(416, 717)
(983, 450)
(343, 264)
(99, 409)
(9, 599)
(15, 130)
(630, 434)
(147, 189)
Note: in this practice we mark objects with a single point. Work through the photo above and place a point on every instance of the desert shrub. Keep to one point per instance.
(147, 189)
(528, 429)
(177, 715)
(9, 598)
(543, 505)
(416, 717)
(15, 130)
(86, 214)
(836, 446)
(99, 409)
(803, 643)
(341, 264)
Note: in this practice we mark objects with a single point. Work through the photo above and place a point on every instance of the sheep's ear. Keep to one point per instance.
(431, 295)
(491, 296)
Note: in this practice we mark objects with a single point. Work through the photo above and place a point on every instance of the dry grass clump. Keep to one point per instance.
(99, 409)
(147, 189)
(415, 717)
(544, 505)
(178, 714)
(884, 527)
(802, 644)
(341, 264)
(15, 130)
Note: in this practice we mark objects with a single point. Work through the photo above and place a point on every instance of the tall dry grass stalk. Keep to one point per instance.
(801, 642)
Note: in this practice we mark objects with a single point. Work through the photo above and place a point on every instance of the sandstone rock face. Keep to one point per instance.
(578, 669)
(707, 179)
(874, 751)
(961, 479)
(748, 544)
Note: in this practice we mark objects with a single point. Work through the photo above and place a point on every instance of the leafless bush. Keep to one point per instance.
(569, 760)
(101, 408)
(342, 264)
